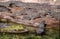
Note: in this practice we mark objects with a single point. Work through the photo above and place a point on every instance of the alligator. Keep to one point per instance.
(31, 14)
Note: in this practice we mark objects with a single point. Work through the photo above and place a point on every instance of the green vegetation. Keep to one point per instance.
(51, 33)
(13, 27)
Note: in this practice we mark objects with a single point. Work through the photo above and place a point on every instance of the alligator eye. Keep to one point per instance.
(11, 4)
(12, 16)
(29, 8)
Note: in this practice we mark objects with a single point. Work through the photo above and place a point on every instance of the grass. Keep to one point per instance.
(31, 36)
(51, 33)
(18, 36)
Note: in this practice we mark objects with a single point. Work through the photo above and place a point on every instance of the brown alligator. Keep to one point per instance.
(31, 14)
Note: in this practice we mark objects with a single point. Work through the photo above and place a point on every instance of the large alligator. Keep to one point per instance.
(31, 14)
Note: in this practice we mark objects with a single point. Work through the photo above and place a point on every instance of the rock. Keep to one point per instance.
(3, 25)
(41, 28)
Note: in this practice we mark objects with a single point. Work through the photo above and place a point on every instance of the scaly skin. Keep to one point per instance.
(33, 11)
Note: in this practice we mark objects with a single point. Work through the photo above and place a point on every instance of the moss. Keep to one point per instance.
(13, 27)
